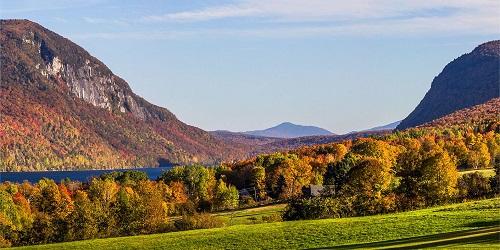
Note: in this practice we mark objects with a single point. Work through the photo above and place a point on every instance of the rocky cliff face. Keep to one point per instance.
(57, 58)
(466, 81)
(70, 107)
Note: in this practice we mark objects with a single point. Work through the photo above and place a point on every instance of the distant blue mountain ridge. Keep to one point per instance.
(389, 126)
(289, 130)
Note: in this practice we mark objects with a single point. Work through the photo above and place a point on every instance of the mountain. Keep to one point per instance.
(293, 143)
(486, 113)
(60, 107)
(469, 80)
(263, 145)
(241, 138)
(289, 130)
(389, 126)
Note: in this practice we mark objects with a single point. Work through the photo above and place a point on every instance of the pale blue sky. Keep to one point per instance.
(244, 65)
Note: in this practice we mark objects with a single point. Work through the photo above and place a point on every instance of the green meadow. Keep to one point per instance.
(469, 225)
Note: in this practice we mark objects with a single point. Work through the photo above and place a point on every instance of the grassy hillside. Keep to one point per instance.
(466, 225)
(251, 215)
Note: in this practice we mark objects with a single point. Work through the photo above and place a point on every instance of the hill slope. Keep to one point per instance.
(485, 113)
(468, 80)
(55, 95)
(251, 140)
(289, 130)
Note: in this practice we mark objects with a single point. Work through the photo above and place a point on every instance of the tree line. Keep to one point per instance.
(115, 204)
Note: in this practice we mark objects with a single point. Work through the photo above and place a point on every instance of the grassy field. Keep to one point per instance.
(469, 225)
(246, 216)
(251, 215)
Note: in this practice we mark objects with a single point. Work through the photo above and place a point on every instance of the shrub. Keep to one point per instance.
(473, 185)
(4, 243)
(186, 208)
(247, 201)
(495, 180)
(495, 184)
(198, 221)
(272, 218)
(317, 208)
(253, 219)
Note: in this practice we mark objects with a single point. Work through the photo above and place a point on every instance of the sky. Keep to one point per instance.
(245, 65)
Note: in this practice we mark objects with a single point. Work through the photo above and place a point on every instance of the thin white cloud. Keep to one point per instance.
(60, 19)
(328, 10)
(362, 17)
(207, 14)
(296, 18)
(143, 35)
(94, 20)
(26, 6)
(385, 28)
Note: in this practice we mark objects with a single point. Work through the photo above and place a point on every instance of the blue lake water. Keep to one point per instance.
(77, 175)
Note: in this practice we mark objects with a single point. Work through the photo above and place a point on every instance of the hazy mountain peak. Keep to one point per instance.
(289, 130)
(286, 124)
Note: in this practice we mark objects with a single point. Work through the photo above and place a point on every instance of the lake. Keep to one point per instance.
(76, 175)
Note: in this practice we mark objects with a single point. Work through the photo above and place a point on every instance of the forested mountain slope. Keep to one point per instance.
(469, 80)
(63, 108)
